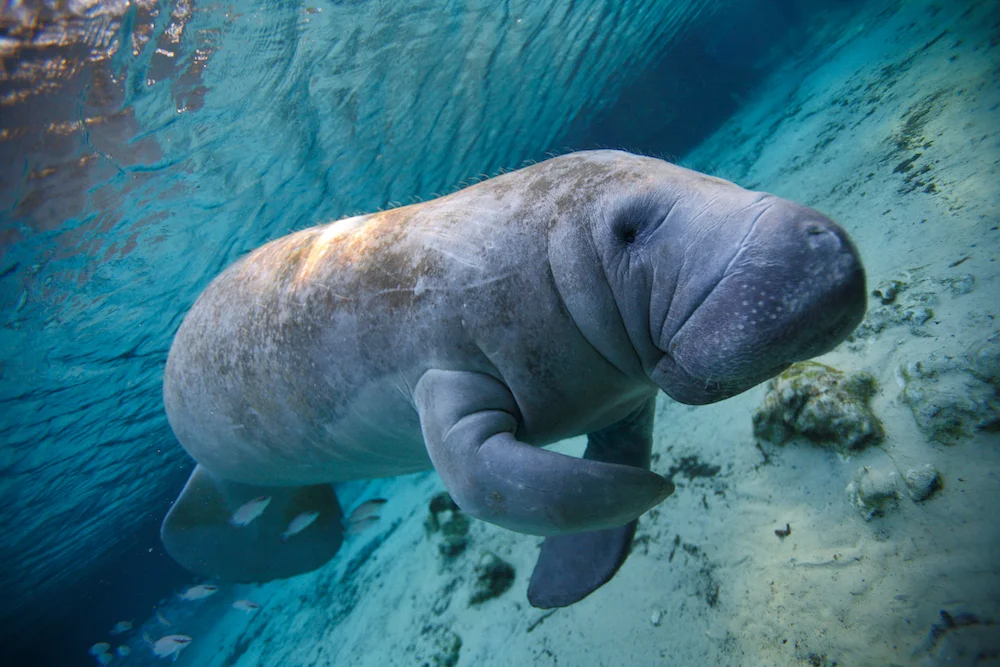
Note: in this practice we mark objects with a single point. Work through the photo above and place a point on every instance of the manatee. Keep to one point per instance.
(468, 332)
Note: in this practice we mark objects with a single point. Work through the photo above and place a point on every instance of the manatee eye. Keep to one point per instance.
(634, 221)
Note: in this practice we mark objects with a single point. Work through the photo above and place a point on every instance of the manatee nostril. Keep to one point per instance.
(820, 236)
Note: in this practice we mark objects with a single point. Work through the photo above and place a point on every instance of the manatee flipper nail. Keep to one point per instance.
(468, 421)
(198, 531)
(571, 567)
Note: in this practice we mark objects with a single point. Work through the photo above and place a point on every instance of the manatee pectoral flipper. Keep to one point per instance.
(198, 533)
(468, 422)
(571, 567)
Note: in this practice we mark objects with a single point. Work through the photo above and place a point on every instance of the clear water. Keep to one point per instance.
(145, 146)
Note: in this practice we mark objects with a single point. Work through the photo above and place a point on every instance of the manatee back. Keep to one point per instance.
(295, 364)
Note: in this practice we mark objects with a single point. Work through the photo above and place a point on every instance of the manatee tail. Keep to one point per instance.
(197, 534)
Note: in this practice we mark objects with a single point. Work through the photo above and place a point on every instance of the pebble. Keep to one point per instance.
(922, 482)
(873, 492)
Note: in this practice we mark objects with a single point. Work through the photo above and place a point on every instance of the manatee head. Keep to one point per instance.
(720, 288)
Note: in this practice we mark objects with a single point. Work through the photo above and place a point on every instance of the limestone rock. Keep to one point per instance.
(493, 577)
(961, 638)
(952, 397)
(446, 518)
(907, 301)
(874, 492)
(901, 301)
(825, 405)
(922, 482)
(437, 646)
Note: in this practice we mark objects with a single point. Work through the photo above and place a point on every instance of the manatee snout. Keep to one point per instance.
(793, 290)
(814, 280)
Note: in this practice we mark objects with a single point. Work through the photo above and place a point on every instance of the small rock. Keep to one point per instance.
(446, 518)
(436, 646)
(983, 362)
(961, 638)
(922, 482)
(887, 291)
(443, 599)
(917, 317)
(825, 405)
(493, 578)
(962, 284)
(873, 492)
(440, 503)
(452, 546)
(656, 618)
(953, 397)
(454, 533)
(907, 300)
(453, 522)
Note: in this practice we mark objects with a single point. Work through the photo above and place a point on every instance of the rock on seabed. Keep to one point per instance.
(822, 404)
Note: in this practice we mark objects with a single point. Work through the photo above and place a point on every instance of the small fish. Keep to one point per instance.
(246, 605)
(298, 524)
(121, 627)
(104, 658)
(249, 511)
(171, 645)
(362, 525)
(198, 592)
(123, 651)
(99, 648)
(161, 619)
(365, 510)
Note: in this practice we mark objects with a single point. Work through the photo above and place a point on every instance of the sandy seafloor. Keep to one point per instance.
(708, 581)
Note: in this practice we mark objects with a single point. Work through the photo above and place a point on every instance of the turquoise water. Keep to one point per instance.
(146, 146)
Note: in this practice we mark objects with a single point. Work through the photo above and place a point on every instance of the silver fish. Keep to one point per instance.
(249, 511)
(298, 524)
(365, 510)
(168, 646)
(246, 605)
(121, 627)
(360, 526)
(199, 592)
(99, 648)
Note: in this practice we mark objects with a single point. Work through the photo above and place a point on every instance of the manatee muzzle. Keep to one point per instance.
(794, 290)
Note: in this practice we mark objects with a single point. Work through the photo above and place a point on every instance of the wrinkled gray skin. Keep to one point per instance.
(468, 331)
